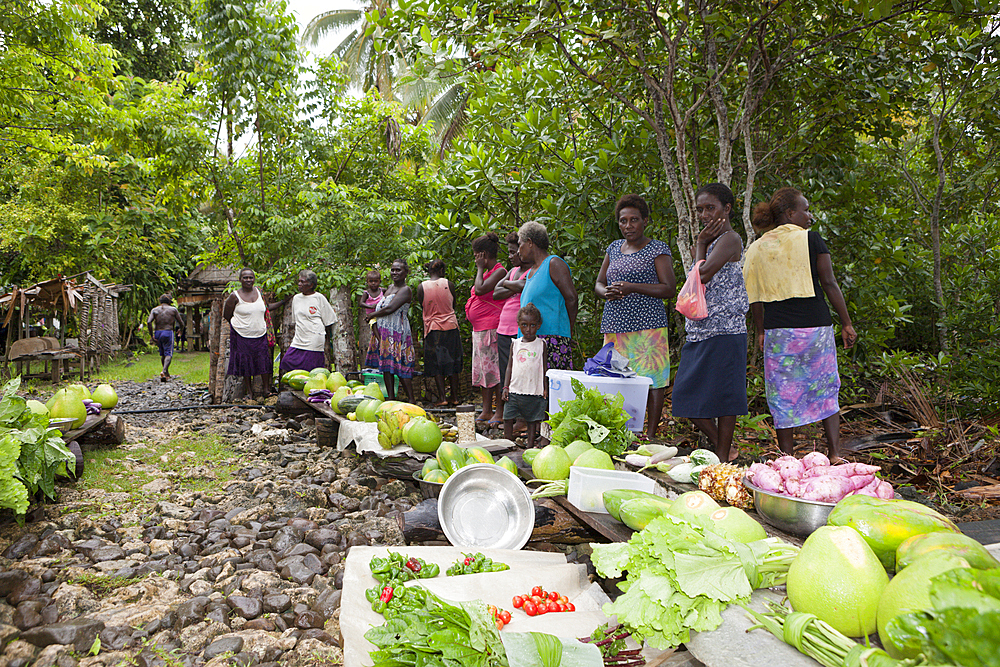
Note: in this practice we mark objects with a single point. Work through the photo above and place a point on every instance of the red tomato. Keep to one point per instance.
(553, 595)
(543, 608)
(492, 610)
(561, 606)
(570, 606)
(499, 624)
(563, 599)
(505, 617)
(517, 601)
(537, 590)
(529, 608)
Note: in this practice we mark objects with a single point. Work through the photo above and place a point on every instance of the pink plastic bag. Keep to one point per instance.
(691, 300)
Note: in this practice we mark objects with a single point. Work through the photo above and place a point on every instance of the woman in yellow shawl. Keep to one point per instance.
(787, 271)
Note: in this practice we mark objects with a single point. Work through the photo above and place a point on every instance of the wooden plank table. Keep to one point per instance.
(57, 357)
(92, 422)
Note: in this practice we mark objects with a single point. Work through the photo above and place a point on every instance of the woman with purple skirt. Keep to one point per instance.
(249, 349)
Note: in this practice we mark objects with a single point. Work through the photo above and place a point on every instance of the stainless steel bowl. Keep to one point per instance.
(483, 506)
(791, 515)
(428, 489)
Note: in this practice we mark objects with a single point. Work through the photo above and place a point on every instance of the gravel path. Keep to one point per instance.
(247, 572)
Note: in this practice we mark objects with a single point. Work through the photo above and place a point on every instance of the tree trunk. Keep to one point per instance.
(942, 327)
(214, 387)
(343, 343)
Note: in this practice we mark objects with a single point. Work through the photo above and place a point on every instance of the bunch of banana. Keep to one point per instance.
(392, 420)
(449, 432)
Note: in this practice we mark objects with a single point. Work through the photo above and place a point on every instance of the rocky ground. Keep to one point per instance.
(247, 571)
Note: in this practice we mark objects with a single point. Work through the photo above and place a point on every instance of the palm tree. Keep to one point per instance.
(429, 100)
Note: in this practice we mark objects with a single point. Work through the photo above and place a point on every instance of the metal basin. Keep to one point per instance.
(483, 506)
(64, 424)
(791, 515)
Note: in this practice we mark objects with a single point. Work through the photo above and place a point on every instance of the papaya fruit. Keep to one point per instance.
(429, 464)
(508, 465)
(478, 454)
(529, 455)
(613, 499)
(297, 382)
(450, 457)
(638, 512)
(957, 544)
(885, 524)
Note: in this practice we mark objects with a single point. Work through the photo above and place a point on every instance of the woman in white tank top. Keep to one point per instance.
(249, 351)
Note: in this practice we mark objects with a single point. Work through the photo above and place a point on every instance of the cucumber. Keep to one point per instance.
(613, 499)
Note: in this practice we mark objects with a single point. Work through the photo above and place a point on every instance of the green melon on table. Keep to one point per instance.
(838, 577)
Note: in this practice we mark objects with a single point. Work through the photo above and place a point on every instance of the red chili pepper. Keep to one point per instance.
(414, 565)
(386, 594)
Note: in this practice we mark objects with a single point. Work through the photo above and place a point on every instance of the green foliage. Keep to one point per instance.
(31, 453)
(150, 36)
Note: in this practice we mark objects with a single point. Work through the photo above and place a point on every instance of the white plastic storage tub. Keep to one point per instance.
(587, 486)
(635, 390)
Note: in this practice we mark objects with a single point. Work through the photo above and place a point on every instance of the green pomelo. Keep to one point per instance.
(551, 463)
(372, 389)
(507, 465)
(838, 577)
(371, 414)
(909, 591)
(594, 458)
(80, 390)
(423, 435)
(337, 397)
(577, 447)
(106, 395)
(429, 464)
(320, 370)
(313, 383)
(693, 503)
(37, 407)
(528, 456)
(65, 405)
(737, 525)
(916, 547)
(335, 381)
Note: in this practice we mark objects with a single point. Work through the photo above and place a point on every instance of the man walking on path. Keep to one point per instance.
(164, 316)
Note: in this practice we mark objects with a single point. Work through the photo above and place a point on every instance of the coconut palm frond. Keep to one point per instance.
(448, 115)
(327, 22)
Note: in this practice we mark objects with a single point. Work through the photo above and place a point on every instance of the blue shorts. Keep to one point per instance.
(165, 341)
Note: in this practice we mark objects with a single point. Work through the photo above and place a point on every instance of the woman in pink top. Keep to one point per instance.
(509, 290)
(442, 340)
(483, 313)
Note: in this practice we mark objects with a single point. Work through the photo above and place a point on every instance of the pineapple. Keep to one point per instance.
(724, 482)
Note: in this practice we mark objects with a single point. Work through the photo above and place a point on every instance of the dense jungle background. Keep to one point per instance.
(138, 139)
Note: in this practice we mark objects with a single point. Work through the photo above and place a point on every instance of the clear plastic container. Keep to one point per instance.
(634, 390)
(587, 486)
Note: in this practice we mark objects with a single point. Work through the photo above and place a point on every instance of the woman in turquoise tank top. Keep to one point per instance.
(549, 285)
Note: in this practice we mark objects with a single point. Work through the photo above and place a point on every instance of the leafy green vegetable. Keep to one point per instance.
(31, 453)
(681, 575)
(593, 417)
(440, 633)
(961, 628)
(549, 649)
